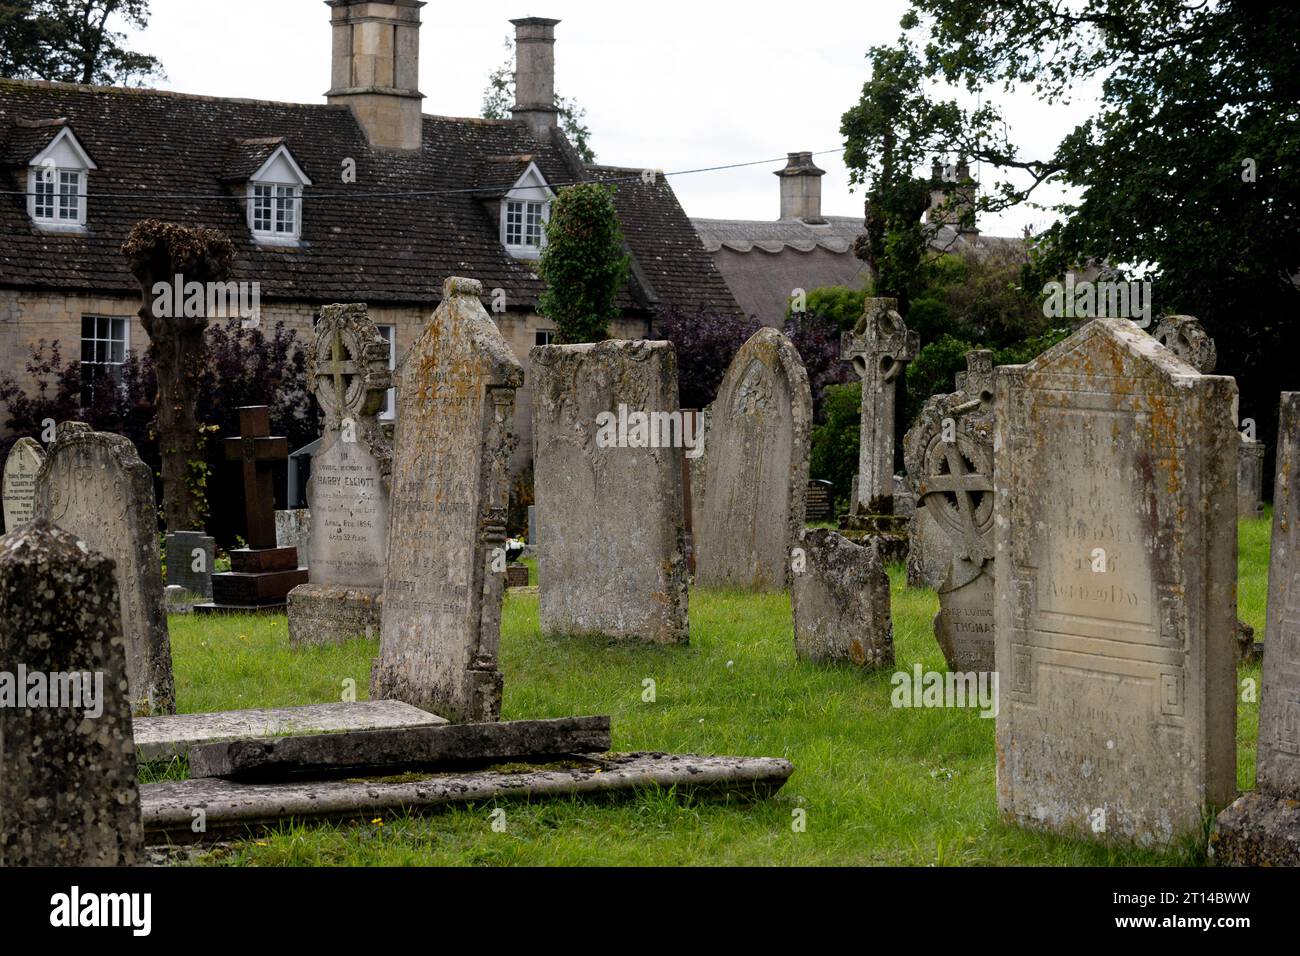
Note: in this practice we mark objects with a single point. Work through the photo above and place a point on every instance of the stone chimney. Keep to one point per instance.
(955, 182)
(376, 67)
(535, 74)
(801, 188)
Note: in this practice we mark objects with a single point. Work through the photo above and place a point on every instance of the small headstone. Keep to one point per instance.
(840, 598)
(927, 558)
(189, 561)
(904, 497)
(446, 559)
(608, 483)
(19, 490)
(757, 473)
(68, 792)
(178, 600)
(1250, 478)
(817, 501)
(516, 575)
(293, 530)
(1116, 563)
(94, 485)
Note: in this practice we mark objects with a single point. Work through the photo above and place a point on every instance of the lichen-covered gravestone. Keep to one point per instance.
(348, 491)
(1115, 579)
(608, 484)
(445, 575)
(68, 793)
(756, 476)
(21, 466)
(840, 598)
(94, 485)
(1262, 827)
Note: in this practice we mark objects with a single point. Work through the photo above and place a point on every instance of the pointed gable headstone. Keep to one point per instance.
(19, 491)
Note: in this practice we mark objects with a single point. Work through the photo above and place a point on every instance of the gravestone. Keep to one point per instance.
(1115, 588)
(19, 490)
(840, 600)
(450, 487)
(949, 454)
(757, 474)
(94, 485)
(293, 530)
(532, 526)
(189, 561)
(68, 792)
(1262, 827)
(926, 562)
(1250, 478)
(348, 491)
(608, 476)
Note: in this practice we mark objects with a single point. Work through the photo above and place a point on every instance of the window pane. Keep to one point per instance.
(87, 326)
(118, 352)
(119, 330)
(87, 350)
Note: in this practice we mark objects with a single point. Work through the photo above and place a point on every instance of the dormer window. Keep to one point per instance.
(275, 199)
(57, 183)
(525, 209)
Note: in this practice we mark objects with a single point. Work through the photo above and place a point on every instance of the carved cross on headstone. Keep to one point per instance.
(258, 451)
(335, 373)
(348, 365)
(880, 346)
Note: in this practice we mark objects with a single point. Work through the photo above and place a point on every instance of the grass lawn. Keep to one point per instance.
(878, 785)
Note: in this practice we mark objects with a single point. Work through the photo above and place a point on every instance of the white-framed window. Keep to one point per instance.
(105, 340)
(275, 199)
(57, 181)
(525, 209)
(389, 411)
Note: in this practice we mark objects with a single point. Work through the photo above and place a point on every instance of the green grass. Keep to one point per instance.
(878, 785)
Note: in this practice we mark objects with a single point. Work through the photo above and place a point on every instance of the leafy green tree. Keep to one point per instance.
(73, 41)
(833, 451)
(499, 97)
(584, 263)
(841, 305)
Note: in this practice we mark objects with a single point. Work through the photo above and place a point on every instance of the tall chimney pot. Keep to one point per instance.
(801, 188)
(375, 68)
(535, 74)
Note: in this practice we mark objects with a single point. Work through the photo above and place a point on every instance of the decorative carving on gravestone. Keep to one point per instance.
(348, 492)
(1115, 589)
(94, 485)
(261, 575)
(1186, 337)
(68, 791)
(949, 456)
(839, 597)
(445, 575)
(19, 492)
(757, 474)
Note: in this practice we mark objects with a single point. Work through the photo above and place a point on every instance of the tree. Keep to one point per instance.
(499, 98)
(71, 41)
(705, 342)
(584, 264)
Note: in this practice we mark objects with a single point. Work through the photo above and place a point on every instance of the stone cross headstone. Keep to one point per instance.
(94, 485)
(840, 601)
(257, 450)
(348, 492)
(19, 491)
(608, 482)
(756, 476)
(1115, 588)
(446, 552)
(68, 792)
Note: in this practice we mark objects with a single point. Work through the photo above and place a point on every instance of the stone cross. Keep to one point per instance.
(880, 346)
(258, 451)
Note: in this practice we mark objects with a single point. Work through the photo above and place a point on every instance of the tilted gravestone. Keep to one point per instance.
(608, 483)
(446, 558)
(68, 792)
(94, 485)
(756, 476)
(348, 491)
(1115, 581)
(1262, 827)
(21, 466)
(840, 600)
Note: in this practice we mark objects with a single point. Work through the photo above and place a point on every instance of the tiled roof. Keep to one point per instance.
(360, 242)
(836, 234)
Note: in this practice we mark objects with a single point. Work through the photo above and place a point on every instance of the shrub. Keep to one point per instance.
(584, 264)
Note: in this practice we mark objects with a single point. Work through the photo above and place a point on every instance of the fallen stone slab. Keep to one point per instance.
(161, 738)
(170, 809)
(399, 749)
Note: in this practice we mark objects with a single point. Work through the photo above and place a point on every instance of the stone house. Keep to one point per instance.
(365, 198)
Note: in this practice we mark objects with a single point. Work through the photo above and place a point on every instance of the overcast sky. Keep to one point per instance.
(675, 84)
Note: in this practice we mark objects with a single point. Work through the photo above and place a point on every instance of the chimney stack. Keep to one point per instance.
(535, 74)
(376, 67)
(801, 188)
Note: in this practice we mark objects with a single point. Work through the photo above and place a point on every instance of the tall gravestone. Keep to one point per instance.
(609, 499)
(68, 792)
(446, 540)
(1115, 584)
(19, 490)
(1262, 827)
(756, 472)
(348, 491)
(94, 485)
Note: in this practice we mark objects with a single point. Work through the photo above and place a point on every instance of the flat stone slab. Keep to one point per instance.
(400, 749)
(168, 808)
(161, 738)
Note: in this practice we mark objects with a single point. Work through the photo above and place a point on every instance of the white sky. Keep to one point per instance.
(673, 85)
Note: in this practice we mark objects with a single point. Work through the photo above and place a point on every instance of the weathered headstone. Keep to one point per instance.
(19, 490)
(293, 530)
(757, 473)
(1262, 827)
(927, 564)
(840, 598)
(1186, 337)
(189, 561)
(608, 481)
(68, 792)
(1250, 478)
(94, 485)
(1116, 563)
(446, 558)
(348, 491)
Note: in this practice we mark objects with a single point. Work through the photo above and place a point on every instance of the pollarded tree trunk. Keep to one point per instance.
(165, 258)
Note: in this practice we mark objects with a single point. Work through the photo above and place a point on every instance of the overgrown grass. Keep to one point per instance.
(879, 785)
